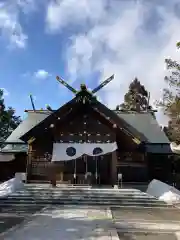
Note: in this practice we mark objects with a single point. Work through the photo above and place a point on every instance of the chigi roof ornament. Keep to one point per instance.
(83, 95)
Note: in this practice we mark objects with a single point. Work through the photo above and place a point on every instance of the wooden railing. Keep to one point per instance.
(40, 166)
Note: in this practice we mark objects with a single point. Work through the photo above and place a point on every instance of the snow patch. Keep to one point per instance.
(10, 186)
(175, 148)
(4, 157)
(163, 192)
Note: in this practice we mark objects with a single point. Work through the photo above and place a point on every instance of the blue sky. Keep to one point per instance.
(84, 41)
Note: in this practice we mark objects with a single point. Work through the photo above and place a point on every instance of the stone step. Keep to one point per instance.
(79, 196)
(82, 189)
(83, 195)
(18, 198)
(79, 193)
(43, 195)
(87, 203)
(85, 189)
(24, 206)
(80, 200)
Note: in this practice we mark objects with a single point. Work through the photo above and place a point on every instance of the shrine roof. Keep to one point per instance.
(144, 123)
(33, 118)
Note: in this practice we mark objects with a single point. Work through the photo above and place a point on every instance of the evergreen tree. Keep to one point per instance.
(8, 120)
(171, 101)
(136, 98)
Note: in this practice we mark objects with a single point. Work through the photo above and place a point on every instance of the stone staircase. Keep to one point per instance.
(43, 194)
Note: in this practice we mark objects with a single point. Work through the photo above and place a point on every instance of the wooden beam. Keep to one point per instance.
(101, 108)
(54, 116)
(31, 140)
(110, 123)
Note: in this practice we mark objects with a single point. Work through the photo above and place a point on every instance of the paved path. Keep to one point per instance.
(67, 223)
(15, 214)
(147, 223)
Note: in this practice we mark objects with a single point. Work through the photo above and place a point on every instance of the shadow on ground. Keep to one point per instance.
(14, 215)
(55, 224)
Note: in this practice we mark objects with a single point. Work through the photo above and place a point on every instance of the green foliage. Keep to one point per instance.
(8, 120)
(178, 44)
(171, 100)
(136, 98)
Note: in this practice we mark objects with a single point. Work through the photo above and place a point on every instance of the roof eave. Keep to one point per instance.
(46, 121)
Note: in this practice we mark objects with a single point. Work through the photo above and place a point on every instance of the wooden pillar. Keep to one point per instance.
(28, 162)
(60, 169)
(52, 173)
(114, 168)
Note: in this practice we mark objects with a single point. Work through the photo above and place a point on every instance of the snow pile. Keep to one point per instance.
(4, 157)
(10, 186)
(163, 192)
(175, 148)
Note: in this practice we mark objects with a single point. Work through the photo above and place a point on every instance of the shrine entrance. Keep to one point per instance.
(85, 163)
(89, 170)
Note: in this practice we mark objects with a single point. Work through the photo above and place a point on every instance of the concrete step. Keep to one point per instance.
(83, 195)
(42, 195)
(81, 199)
(99, 198)
(84, 189)
(24, 206)
(81, 189)
(74, 202)
(80, 193)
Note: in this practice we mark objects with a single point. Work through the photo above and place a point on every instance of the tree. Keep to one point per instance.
(136, 98)
(171, 101)
(8, 120)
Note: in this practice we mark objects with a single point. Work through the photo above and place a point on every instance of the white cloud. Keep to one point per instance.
(127, 38)
(41, 74)
(10, 25)
(5, 92)
(63, 12)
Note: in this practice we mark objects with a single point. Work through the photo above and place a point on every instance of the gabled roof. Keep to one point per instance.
(76, 105)
(124, 125)
(33, 118)
(30, 122)
(62, 111)
(145, 123)
(142, 124)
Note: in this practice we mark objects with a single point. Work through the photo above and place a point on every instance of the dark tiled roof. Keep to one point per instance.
(145, 123)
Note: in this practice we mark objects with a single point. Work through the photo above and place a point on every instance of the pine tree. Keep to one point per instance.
(171, 101)
(8, 120)
(136, 98)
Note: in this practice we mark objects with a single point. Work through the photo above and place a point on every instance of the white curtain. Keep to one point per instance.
(68, 151)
